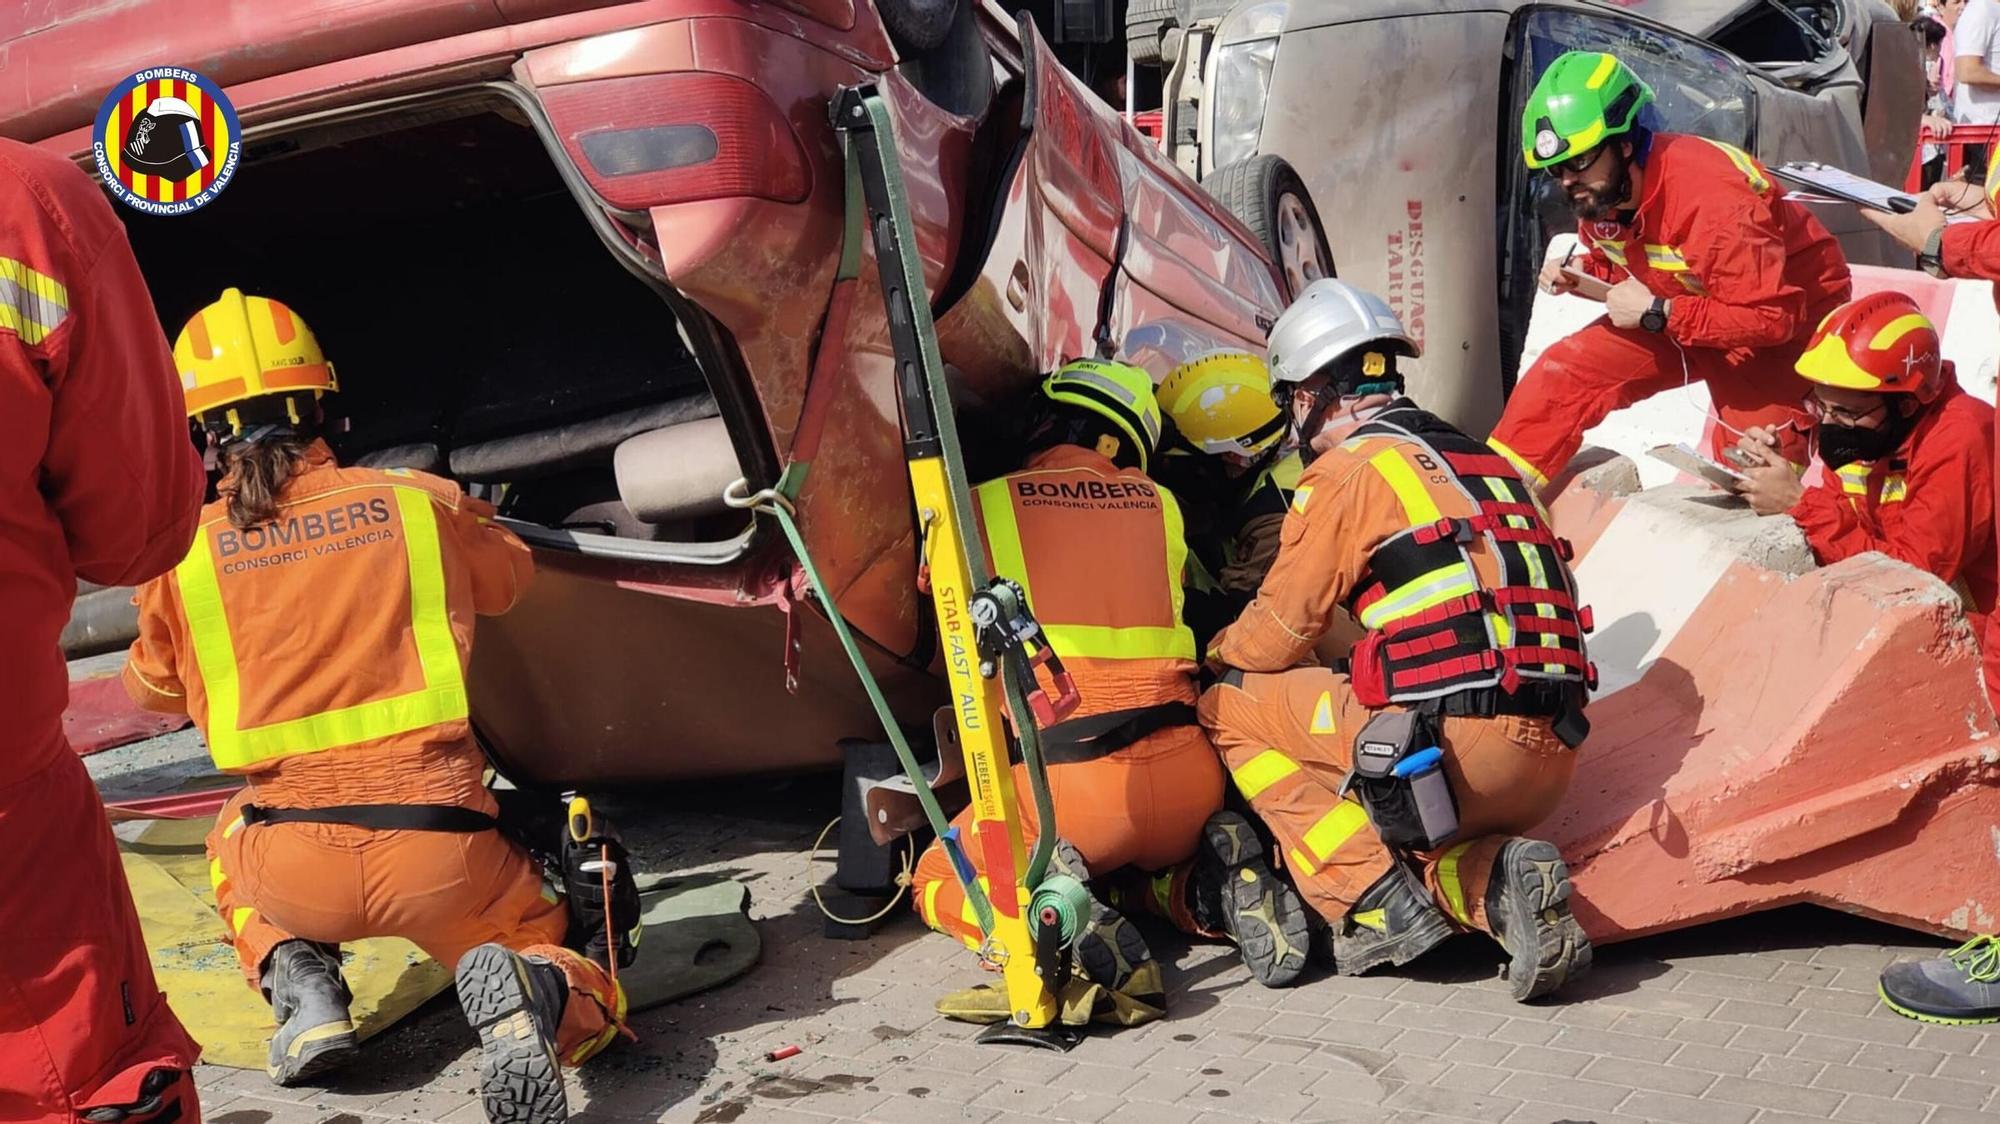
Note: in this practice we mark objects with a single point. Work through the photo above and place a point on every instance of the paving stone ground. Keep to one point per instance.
(1769, 1019)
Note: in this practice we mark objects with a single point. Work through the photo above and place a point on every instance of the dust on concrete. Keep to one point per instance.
(777, 1088)
(1768, 542)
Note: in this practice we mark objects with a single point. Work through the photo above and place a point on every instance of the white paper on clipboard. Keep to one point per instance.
(1694, 464)
(1841, 184)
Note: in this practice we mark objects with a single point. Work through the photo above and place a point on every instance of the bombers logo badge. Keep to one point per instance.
(167, 141)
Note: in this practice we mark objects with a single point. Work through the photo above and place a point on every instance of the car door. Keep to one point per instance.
(1100, 246)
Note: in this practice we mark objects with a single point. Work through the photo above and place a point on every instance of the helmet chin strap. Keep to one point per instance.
(1315, 418)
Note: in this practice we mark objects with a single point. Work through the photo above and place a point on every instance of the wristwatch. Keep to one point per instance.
(1930, 259)
(1654, 319)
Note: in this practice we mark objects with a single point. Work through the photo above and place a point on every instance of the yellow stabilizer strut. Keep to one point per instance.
(977, 704)
(877, 204)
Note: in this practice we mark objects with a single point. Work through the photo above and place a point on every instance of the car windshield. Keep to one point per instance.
(1773, 33)
(1697, 89)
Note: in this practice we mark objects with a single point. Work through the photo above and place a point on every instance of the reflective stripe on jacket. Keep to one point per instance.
(344, 624)
(1101, 552)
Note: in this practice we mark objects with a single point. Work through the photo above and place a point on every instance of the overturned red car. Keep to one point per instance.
(587, 259)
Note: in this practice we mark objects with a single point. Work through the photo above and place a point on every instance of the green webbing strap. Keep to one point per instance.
(850, 239)
(777, 502)
(962, 513)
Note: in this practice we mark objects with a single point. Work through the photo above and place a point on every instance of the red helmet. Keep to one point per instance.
(1882, 343)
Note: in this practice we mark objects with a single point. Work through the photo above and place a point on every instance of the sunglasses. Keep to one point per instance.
(1577, 165)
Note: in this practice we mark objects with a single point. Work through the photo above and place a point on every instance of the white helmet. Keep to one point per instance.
(1328, 320)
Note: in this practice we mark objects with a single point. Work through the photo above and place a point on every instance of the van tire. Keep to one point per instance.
(1146, 25)
(916, 26)
(1271, 199)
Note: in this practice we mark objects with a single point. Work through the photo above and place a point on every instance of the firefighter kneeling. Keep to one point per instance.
(1453, 723)
(318, 634)
(1097, 545)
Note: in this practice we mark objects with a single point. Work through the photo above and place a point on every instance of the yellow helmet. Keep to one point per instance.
(1119, 392)
(249, 361)
(1221, 403)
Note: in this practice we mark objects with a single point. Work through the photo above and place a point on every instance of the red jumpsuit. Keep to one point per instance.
(1930, 505)
(97, 479)
(1749, 277)
(1973, 250)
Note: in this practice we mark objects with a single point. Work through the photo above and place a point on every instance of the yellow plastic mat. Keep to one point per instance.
(697, 935)
(197, 967)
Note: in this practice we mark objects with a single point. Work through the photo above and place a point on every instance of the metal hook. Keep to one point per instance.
(739, 496)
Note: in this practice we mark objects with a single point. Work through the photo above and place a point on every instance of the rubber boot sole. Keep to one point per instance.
(1545, 945)
(1260, 911)
(1936, 1020)
(319, 1050)
(1110, 949)
(520, 1079)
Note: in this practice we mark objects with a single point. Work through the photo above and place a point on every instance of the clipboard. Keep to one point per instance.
(1587, 286)
(1694, 464)
(1841, 184)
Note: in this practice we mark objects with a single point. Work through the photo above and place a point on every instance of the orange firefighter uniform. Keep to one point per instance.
(98, 480)
(1434, 544)
(323, 656)
(1747, 276)
(1100, 551)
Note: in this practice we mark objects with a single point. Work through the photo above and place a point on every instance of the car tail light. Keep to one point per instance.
(675, 138)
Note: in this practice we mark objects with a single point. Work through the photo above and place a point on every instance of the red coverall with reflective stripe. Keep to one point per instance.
(1930, 505)
(1973, 250)
(1749, 277)
(97, 479)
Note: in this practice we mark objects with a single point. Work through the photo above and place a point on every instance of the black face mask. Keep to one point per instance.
(1841, 445)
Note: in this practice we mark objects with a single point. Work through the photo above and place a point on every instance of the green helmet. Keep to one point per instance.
(1583, 99)
(1117, 392)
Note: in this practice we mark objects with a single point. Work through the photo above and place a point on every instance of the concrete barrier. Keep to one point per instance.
(1767, 732)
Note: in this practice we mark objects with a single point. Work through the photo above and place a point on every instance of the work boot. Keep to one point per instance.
(309, 1001)
(1110, 950)
(515, 1003)
(1234, 890)
(1960, 988)
(1527, 905)
(1393, 922)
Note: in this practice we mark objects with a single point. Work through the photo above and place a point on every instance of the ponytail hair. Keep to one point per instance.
(254, 475)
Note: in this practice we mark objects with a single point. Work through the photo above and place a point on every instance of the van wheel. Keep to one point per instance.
(916, 26)
(1272, 201)
(1146, 25)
